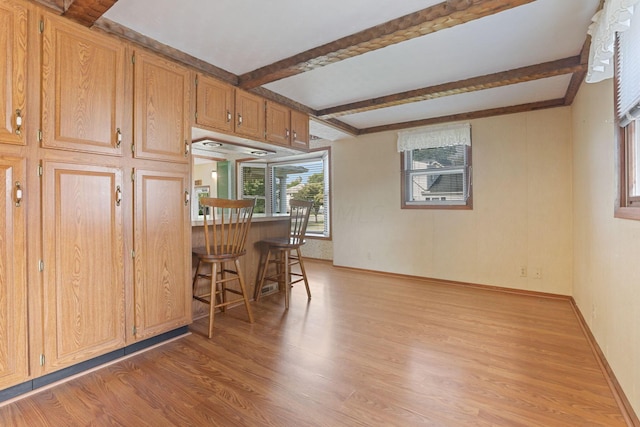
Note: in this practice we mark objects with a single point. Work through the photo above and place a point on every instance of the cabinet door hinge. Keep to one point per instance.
(40, 265)
(133, 148)
(196, 80)
(39, 135)
(42, 360)
(133, 175)
(41, 26)
(196, 115)
(133, 58)
(40, 171)
(133, 254)
(134, 330)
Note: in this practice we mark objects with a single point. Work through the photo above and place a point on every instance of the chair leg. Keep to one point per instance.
(212, 305)
(287, 279)
(195, 278)
(223, 288)
(243, 290)
(265, 266)
(304, 273)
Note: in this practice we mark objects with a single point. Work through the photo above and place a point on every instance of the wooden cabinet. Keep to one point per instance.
(13, 72)
(83, 90)
(299, 130)
(83, 293)
(250, 115)
(215, 104)
(278, 124)
(162, 244)
(287, 127)
(14, 367)
(162, 93)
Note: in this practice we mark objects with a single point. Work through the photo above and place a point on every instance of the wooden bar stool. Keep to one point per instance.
(224, 244)
(283, 249)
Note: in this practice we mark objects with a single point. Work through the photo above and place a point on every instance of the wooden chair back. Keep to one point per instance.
(298, 220)
(225, 234)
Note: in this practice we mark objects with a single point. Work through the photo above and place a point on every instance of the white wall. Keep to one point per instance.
(606, 249)
(522, 213)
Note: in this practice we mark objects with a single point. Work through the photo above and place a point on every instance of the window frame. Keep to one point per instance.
(627, 142)
(437, 204)
(321, 154)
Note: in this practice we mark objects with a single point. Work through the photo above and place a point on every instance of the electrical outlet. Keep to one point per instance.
(537, 273)
(523, 271)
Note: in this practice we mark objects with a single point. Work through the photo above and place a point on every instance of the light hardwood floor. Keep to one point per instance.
(367, 350)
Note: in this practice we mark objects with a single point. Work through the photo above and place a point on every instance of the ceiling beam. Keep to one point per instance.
(87, 12)
(435, 18)
(467, 116)
(503, 78)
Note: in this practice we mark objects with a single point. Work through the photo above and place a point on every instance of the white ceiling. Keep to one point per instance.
(243, 35)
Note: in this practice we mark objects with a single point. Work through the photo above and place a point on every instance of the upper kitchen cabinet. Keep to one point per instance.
(287, 127)
(214, 104)
(299, 130)
(14, 361)
(250, 115)
(278, 126)
(13, 71)
(83, 90)
(162, 91)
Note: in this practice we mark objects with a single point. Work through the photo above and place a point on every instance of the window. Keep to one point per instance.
(436, 167)
(275, 184)
(627, 75)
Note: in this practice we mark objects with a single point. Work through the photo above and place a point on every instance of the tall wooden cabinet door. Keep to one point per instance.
(299, 130)
(278, 124)
(13, 72)
(162, 243)
(214, 104)
(83, 294)
(14, 362)
(162, 109)
(250, 115)
(83, 91)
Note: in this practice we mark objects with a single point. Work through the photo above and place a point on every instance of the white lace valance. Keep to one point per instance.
(434, 137)
(614, 16)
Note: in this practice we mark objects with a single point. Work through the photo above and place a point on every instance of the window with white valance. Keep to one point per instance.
(436, 167)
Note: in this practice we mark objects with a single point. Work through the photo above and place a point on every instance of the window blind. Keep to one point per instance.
(628, 63)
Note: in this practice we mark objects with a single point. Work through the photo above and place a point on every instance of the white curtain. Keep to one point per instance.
(615, 16)
(434, 137)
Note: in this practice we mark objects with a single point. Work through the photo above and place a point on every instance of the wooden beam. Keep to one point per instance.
(87, 12)
(435, 18)
(503, 78)
(467, 116)
(167, 51)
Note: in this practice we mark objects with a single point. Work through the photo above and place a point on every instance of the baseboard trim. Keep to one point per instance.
(626, 409)
(45, 382)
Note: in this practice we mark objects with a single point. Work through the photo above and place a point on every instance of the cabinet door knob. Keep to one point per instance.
(118, 196)
(295, 135)
(228, 116)
(187, 148)
(239, 119)
(118, 137)
(18, 194)
(18, 122)
(187, 198)
(286, 133)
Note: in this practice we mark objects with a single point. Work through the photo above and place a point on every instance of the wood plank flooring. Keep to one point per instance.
(367, 350)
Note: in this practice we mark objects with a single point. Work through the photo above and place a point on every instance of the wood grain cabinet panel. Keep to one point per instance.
(83, 289)
(278, 124)
(299, 130)
(214, 104)
(161, 109)
(13, 72)
(162, 242)
(250, 115)
(83, 91)
(14, 367)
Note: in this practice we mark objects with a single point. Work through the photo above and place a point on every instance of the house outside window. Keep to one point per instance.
(436, 167)
(301, 177)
